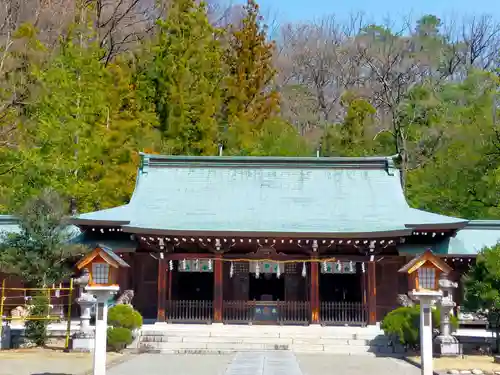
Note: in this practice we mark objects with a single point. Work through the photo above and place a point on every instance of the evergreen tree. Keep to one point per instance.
(355, 136)
(182, 78)
(83, 127)
(249, 96)
(16, 57)
(482, 288)
(41, 253)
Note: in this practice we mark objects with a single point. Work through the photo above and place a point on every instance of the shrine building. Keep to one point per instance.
(273, 240)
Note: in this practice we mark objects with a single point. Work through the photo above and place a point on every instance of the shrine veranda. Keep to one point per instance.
(273, 240)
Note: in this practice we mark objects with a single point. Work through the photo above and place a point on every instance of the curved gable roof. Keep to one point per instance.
(268, 195)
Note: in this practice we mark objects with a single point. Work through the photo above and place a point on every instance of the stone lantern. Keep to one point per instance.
(446, 344)
(423, 273)
(103, 266)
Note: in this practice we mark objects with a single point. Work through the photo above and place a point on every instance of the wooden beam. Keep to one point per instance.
(218, 288)
(315, 305)
(162, 288)
(181, 256)
(372, 293)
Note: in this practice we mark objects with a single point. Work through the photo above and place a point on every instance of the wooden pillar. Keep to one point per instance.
(124, 274)
(162, 288)
(363, 285)
(169, 283)
(372, 293)
(218, 288)
(314, 293)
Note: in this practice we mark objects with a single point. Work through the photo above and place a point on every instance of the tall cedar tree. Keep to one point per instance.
(15, 85)
(42, 252)
(183, 79)
(82, 129)
(249, 98)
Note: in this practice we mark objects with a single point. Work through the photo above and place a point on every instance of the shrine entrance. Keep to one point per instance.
(266, 281)
(192, 291)
(266, 287)
(341, 282)
(194, 286)
(341, 291)
(266, 290)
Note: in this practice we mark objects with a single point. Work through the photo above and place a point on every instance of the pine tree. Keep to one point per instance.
(249, 96)
(41, 253)
(182, 79)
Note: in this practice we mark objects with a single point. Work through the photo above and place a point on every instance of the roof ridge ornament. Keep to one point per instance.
(390, 165)
(144, 163)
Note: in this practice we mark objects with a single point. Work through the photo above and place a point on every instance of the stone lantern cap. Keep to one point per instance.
(425, 271)
(102, 265)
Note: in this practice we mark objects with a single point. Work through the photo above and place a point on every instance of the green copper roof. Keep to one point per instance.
(118, 242)
(469, 241)
(10, 224)
(268, 195)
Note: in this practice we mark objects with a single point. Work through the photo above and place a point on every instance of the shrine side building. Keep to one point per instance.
(271, 240)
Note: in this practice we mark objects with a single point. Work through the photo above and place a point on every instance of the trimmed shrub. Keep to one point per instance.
(36, 326)
(403, 325)
(399, 325)
(118, 338)
(124, 316)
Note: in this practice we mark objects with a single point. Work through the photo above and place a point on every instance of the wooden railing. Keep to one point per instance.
(190, 311)
(294, 312)
(277, 312)
(343, 313)
(238, 312)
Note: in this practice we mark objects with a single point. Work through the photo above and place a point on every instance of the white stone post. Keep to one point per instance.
(426, 299)
(102, 294)
(426, 337)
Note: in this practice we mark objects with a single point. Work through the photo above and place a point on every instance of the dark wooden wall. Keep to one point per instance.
(145, 284)
(389, 283)
(143, 278)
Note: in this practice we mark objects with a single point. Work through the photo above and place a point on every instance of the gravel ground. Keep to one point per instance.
(47, 362)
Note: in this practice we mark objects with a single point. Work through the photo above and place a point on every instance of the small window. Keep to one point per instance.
(427, 278)
(100, 273)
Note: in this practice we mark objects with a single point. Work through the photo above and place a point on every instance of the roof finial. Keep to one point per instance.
(72, 206)
(318, 151)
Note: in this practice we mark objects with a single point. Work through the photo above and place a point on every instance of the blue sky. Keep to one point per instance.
(376, 10)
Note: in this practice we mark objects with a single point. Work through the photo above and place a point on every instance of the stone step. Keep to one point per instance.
(216, 345)
(171, 338)
(169, 347)
(265, 340)
(378, 341)
(250, 334)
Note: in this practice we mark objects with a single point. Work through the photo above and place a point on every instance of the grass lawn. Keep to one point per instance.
(467, 362)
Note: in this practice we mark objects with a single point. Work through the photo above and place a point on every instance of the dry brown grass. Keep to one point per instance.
(48, 361)
(468, 362)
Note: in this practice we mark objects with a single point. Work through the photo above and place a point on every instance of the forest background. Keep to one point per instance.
(85, 85)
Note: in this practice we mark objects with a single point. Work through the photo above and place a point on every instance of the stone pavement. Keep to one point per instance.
(265, 363)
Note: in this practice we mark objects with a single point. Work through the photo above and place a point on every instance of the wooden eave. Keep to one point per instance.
(243, 234)
(103, 254)
(422, 259)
